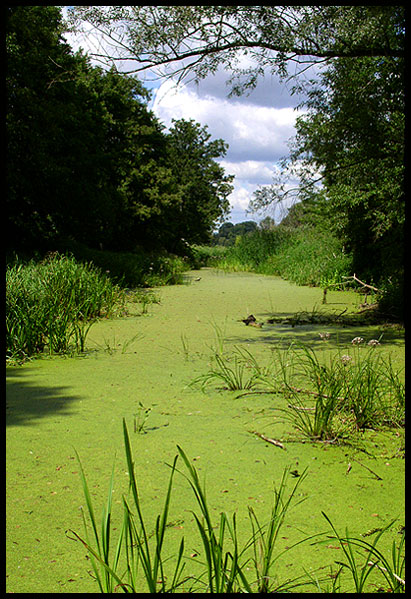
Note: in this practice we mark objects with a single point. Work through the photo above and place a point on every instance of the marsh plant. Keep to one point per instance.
(51, 305)
(327, 399)
(237, 371)
(352, 391)
(144, 297)
(140, 418)
(136, 560)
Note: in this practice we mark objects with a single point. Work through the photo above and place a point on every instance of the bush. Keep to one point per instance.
(133, 269)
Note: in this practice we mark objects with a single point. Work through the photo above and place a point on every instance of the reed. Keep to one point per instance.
(51, 305)
(306, 256)
(137, 558)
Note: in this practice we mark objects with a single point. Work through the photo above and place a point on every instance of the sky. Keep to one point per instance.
(256, 127)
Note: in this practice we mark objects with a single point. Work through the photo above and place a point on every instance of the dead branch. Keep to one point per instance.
(264, 438)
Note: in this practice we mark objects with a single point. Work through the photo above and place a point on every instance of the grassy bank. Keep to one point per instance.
(305, 257)
(52, 301)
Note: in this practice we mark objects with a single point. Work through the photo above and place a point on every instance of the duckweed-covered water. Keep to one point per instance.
(140, 368)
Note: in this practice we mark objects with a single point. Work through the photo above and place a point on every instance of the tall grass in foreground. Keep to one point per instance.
(51, 305)
(136, 561)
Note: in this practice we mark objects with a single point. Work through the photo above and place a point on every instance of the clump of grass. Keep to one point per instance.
(137, 556)
(372, 560)
(144, 297)
(238, 371)
(140, 418)
(51, 305)
(353, 391)
(326, 399)
(117, 564)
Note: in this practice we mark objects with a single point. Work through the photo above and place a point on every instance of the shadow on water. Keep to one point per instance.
(27, 402)
(287, 328)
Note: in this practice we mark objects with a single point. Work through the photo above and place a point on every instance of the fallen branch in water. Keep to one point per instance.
(369, 469)
(264, 438)
(401, 580)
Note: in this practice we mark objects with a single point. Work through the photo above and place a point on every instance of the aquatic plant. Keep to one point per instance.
(240, 370)
(51, 305)
(352, 391)
(135, 548)
(355, 390)
(230, 566)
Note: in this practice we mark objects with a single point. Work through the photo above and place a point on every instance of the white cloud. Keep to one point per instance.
(256, 126)
(257, 135)
(252, 132)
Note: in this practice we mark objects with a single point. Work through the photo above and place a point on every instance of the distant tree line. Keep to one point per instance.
(86, 159)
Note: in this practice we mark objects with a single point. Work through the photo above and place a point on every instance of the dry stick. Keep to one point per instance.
(264, 438)
(354, 278)
(402, 581)
(366, 467)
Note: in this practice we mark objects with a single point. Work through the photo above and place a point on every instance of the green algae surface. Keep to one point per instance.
(140, 368)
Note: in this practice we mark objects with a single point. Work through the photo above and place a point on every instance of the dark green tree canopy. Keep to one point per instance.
(87, 160)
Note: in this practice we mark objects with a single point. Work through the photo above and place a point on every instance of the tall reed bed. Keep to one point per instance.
(306, 256)
(51, 305)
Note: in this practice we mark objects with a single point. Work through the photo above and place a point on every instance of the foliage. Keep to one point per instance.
(305, 255)
(200, 39)
(52, 305)
(140, 268)
(87, 161)
(349, 155)
(206, 187)
(348, 152)
(228, 232)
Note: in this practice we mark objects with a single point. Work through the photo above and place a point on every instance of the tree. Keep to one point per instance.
(196, 40)
(86, 159)
(40, 72)
(205, 186)
(73, 132)
(351, 144)
(267, 223)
